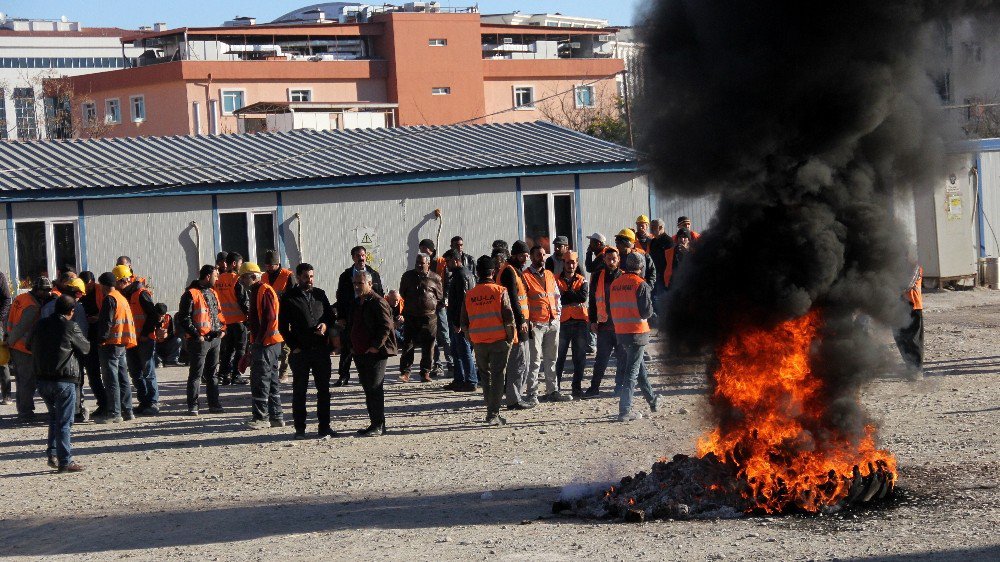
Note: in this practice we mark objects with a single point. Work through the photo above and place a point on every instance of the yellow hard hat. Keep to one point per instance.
(121, 272)
(77, 285)
(249, 267)
(626, 233)
(642, 219)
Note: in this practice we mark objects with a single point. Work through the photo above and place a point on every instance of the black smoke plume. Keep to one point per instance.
(805, 118)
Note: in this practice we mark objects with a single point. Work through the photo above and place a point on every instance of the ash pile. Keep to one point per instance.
(707, 488)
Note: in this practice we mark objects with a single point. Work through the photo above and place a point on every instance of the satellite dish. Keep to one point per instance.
(64, 19)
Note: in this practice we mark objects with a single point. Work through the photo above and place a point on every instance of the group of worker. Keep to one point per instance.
(503, 323)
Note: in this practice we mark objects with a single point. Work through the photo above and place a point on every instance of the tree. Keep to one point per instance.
(606, 121)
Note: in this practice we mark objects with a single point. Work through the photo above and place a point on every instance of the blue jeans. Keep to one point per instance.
(632, 367)
(577, 334)
(606, 343)
(462, 360)
(142, 368)
(60, 397)
(443, 339)
(114, 372)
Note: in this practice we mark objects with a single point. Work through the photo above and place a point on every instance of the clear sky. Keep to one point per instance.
(203, 13)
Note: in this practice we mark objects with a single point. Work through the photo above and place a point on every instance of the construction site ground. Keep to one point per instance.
(441, 485)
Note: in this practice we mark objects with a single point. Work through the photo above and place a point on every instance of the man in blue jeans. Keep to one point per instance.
(631, 307)
(462, 280)
(59, 347)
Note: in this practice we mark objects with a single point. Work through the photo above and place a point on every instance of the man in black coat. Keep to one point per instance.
(304, 317)
(462, 280)
(372, 342)
(59, 346)
(345, 303)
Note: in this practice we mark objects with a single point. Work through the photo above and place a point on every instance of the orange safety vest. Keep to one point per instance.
(572, 311)
(624, 308)
(484, 305)
(602, 305)
(226, 290)
(163, 329)
(668, 270)
(915, 294)
(541, 296)
(138, 314)
(522, 295)
(100, 293)
(56, 293)
(440, 267)
(280, 284)
(200, 314)
(122, 325)
(644, 248)
(270, 332)
(21, 303)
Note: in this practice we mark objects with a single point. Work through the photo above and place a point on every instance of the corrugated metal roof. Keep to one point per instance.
(164, 162)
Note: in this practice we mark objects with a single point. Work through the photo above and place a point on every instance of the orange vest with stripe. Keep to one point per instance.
(21, 303)
(269, 332)
(572, 311)
(541, 296)
(200, 314)
(225, 288)
(484, 306)
(280, 284)
(522, 295)
(915, 293)
(122, 326)
(440, 267)
(599, 301)
(138, 314)
(624, 308)
(668, 270)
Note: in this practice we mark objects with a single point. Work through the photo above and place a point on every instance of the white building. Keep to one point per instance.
(32, 51)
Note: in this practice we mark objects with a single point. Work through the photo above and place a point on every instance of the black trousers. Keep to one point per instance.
(344, 367)
(422, 331)
(302, 363)
(204, 357)
(234, 346)
(910, 340)
(371, 373)
(5, 380)
(92, 365)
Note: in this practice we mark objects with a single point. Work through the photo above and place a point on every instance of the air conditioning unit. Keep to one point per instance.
(508, 40)
(604, 38)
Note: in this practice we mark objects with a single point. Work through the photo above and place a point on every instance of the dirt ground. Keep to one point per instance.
(442, 486)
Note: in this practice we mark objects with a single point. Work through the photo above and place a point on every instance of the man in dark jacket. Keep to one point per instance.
(304, 317)
(372, 343)
(462, 280)
(141, 359)
(204, 341)
(345, 302)
(468, 261)
(658, 247)
(59, 346)
(423, 295)
(509, 268)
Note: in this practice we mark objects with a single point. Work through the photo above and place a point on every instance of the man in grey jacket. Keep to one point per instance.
(58, 346)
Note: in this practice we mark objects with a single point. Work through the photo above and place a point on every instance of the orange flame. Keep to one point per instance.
(765, 375)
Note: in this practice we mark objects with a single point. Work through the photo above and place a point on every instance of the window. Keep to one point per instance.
(232, 100)
(441, 91)
(89, 110)
(43, 248)
(584, 96)
(24, 113)
(138, 104)
(112, 111)
(547, 215)
(437, 42)
(524, 97)
(251, 233)
(58, 117)
(300, 95)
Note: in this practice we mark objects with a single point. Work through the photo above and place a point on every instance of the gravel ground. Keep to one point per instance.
(441, 486)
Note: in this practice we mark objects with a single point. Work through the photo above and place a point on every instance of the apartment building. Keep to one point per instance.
(419, 64)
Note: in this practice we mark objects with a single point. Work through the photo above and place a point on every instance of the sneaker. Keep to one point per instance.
(522, 405)
(256, 424)
(127, 415)
(148, 411)
(437, 371)
(655, 404)
(372, 431)
(278, 423)
(108, 419)
(192, 411)
(216, 410)
(425, 377)
(496, 421)
(84, 415)
(327, 432)
(631, 416)
(71, 467)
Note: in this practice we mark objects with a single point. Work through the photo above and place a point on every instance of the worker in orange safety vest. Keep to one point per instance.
(631, 306)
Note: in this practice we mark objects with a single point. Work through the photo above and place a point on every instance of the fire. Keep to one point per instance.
(765, 376)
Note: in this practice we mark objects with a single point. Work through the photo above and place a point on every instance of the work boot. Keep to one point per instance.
(556, 396)
(127, 415)
(256, 424)
(71, 467)
(631, 416)
(425, 376)
(404, 376)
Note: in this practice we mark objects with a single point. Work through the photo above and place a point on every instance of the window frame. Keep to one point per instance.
(88, 121)
(50, 246)
(291, 91)
(576, 96)
(222, 99)
(551, 208)
(437, 42)
(107, 115)
(531, 89)
(250, 213)
(131, 105)
(441, 90)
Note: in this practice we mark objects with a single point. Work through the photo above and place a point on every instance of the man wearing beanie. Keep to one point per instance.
(116, 332)
(280, 279)
(631, 307)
